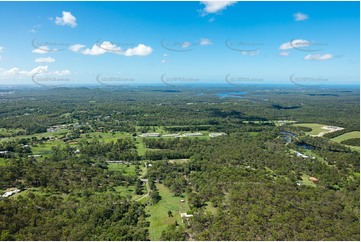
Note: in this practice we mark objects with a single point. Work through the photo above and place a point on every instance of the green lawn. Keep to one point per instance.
(210, 208)
(3, 162)
(9, 132)
(36, 191)
(307, 182)
(346, 136)
(120, 190)
(316, 128)
(159, 219)
(126, 169)
(45, 148)
(140, 146)
(106, 137)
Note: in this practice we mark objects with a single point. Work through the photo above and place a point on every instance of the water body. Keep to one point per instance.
(288, 133)
(287, 136)
(231, 94)
(304, 146)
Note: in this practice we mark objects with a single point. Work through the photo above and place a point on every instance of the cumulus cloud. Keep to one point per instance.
(76, 47)
(44, 60)
(107, 46)
(318, 57)
(186, 44)
(205, 42)
(66, 19)
(215, 6)
(34, 29)
(284, 53)
(300, 16)
(165, 61)
(43, 50)
(16, 72)
(297, 43)
(250, 52)
(62, 73)
(140, 50)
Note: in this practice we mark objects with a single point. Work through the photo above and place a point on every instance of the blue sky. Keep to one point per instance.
(178, 42)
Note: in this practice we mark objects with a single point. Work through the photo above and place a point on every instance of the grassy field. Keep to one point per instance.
(178, 161)
(106, 137)
(316, 128)
(126, 169)
(210, 208)
(45, 148)
(159, 219)
(9, 132)
(346, 136)
(307, 182)
(2, 162)
(140, 146)
(124, 191)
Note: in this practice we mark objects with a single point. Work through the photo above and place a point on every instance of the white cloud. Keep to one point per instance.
(165, 61)
(62, 73)
(300, 16)
(140, 50)
(215, 6)
(10, 72)
(43, 50)
(205, 42)
(284, 53)
(16, 72)
(107, 46)
(297, 43)
(38, 70)
(34, 29)
(44, 60)
(66, 19)
(95, 50)
(76, 47)
(250, 52)
(165, 54)
(186, 44)
(318, 57)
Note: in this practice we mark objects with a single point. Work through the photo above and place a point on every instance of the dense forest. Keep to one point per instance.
(85, 172)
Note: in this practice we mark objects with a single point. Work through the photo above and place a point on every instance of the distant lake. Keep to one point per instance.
(231, 94)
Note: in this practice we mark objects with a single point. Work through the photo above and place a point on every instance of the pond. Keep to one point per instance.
(231, 94)
(304, 146)
(287, 136)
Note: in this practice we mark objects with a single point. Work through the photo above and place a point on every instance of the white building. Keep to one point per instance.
(298, 154)
(10, 193)
(150, 135)
(171, 135)
(192, 134)
(212, 135)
